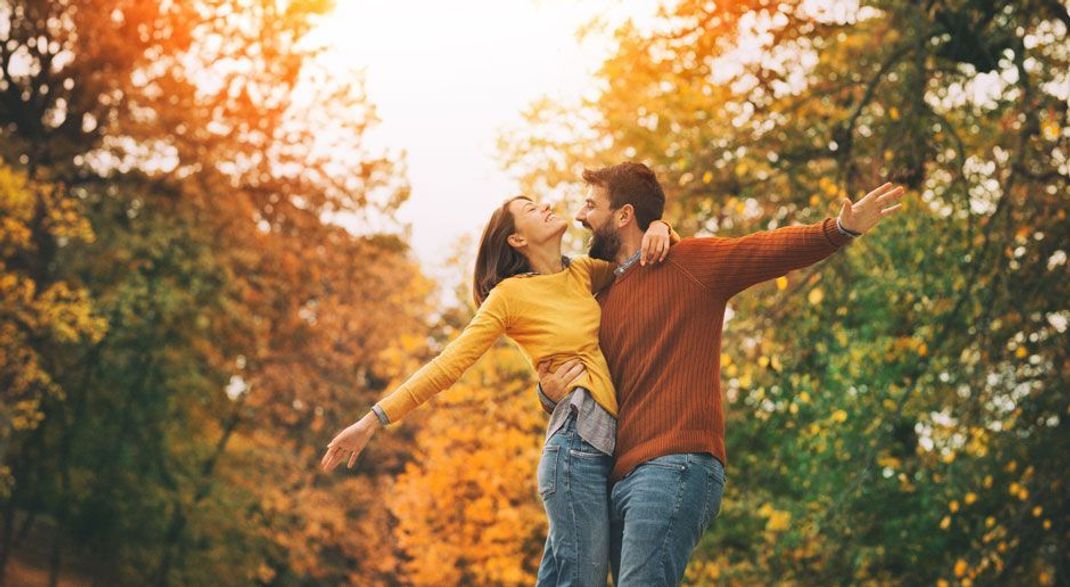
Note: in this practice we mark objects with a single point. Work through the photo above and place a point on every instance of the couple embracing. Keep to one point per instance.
(627, 344)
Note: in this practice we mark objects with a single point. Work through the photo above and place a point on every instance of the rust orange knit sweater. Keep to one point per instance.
(661, 335)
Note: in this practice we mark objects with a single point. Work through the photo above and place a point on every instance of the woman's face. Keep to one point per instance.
(536, 223)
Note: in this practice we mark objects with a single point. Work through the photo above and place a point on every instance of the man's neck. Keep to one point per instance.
(629, 244)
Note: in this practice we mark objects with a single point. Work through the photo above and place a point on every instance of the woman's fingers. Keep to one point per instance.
(327, 455)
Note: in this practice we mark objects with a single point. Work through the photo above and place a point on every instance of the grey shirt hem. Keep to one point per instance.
(593, 423)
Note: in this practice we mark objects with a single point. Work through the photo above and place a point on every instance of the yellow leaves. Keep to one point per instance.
(945, 523)
(815, 296)
(839, 416)
(841, 335)
(745, 380)
(886, 460)
(829, 187)
(782, 283)
(1051, 129)
(953, 506)
(1037, 511)
(1019, 491)
(889, 405)
(778, 520)
(987, 483)
(69, 313)
(960, 568)
(804, 397)
(942, 583)
(1021, 353)
(707, 177)
(913, 344)
(970, 498)
(893, 113)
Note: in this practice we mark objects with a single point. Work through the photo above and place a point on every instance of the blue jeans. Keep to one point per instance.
(658, 513)
(574, 486)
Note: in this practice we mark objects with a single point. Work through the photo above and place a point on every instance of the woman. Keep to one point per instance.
(543, 301)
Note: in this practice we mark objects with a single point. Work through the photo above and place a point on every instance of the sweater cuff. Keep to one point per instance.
(547, 404)
(850, 233)
(379, 413)
(835, 237)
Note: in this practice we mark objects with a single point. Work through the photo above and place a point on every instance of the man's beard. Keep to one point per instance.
(605, 243)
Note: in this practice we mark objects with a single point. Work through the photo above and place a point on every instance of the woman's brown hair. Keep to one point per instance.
(497, 259)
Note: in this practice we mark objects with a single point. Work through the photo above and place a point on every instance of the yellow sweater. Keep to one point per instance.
(553, 317)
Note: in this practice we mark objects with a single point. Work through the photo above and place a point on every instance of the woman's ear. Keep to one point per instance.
(516, 241)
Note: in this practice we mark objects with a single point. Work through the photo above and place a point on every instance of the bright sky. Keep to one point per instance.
(447, 76)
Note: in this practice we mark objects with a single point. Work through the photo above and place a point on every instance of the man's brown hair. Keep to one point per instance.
(631, 183)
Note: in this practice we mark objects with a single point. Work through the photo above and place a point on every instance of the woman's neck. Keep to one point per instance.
(545, 260)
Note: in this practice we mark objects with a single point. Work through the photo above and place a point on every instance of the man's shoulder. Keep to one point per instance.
(692, 247)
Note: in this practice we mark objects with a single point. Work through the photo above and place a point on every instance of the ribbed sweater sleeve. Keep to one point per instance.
(727, 266)
(486, 326)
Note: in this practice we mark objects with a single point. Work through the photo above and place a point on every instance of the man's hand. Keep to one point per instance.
(555, 384)
(867, 212)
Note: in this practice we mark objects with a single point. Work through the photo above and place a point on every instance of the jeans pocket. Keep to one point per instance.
(547, 471)
(674, 462)
(714, 495)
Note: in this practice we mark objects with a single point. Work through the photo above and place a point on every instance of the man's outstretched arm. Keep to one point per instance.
(727, 266)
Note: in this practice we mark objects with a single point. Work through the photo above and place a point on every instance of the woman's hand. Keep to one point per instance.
(349, 442)
(655, 243)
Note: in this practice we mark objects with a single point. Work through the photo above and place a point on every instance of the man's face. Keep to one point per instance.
(597, 216)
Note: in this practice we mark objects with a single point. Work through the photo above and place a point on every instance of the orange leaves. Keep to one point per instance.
(467, 510)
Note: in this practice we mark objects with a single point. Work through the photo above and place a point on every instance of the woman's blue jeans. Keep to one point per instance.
(574, 486)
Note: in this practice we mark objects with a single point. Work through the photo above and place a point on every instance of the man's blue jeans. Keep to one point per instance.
(658, 513)
(574, 486)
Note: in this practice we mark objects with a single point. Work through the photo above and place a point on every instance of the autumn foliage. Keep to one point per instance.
(184, 319)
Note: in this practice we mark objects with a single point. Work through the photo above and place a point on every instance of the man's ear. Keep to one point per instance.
(516, 241)
(624, 215)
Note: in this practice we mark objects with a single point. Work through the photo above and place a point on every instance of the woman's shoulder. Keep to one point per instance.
(587, 264)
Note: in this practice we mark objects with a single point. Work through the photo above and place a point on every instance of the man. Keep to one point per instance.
(661, 335)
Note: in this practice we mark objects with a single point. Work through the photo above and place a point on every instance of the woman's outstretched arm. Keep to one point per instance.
(489, 322)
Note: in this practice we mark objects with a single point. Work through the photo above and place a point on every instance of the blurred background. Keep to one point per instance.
(228, 226)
